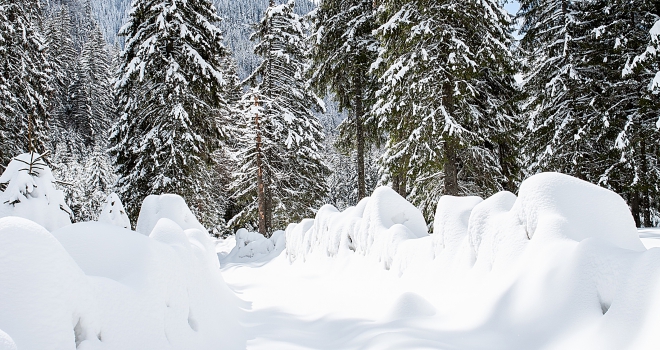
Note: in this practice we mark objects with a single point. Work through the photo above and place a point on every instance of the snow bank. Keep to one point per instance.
(46, 299)
(560, 266)
(373, 228)
(30, 193)
(169, 206)
(113, 212)
(253, 246)
(98, 286)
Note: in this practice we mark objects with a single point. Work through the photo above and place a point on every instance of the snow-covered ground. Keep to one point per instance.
(650, 237)
(560, 266)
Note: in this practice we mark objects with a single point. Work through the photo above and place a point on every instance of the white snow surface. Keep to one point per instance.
(113, 212)
(254, 247)
(32, 195)
(98, 286)
(169, 206)
(560, 266)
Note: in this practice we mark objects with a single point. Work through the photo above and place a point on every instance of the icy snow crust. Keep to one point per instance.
(561, 266)
(98, 286)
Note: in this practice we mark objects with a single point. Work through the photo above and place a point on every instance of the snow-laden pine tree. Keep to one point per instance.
(24, 79)
(99, 180)
(99, 110)
(446, 79)
(343, 49)
(586, 118)
(627, 103)
(172, 109)
(282, 175)
(64, 58)
(563, 127)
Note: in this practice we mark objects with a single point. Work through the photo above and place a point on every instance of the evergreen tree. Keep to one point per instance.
(446, 79)
(627, 103)
(564, 130)
(283, 134)
(24, 79)
(172, 109)
(64, 58)
(343, 49)
(99, 179)
(99, 110)
(585, 118)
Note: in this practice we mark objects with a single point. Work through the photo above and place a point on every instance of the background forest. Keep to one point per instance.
(258, 113)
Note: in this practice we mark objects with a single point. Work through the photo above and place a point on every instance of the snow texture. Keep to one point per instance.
(113, 212)
(560, 266)
(374, 228)
(169, 206)
(31, 194)
(98, 286)
(254, 247)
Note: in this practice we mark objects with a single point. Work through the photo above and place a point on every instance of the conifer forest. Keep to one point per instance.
(258, 112)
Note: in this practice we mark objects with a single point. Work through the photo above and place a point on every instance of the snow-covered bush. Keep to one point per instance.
(563, 258)
(30, 193)
(169, 206)
(98, 286)
(253, 246)
(374, 227)
(113, 212)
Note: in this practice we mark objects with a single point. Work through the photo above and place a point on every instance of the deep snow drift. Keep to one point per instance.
(560, 266)
(98, 286)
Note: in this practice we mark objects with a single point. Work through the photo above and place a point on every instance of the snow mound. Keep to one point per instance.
(551, 203)
(561, 266)
(451, 220)
(99, 286)
(30, 193)
(253, 246)
(170, 206)
(46, 299)
(113, 212)
(374, 228)
(411, 304)
(159, 291)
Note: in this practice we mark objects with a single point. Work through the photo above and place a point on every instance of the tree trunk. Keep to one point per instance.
(451, 157)
(634, 207)
(268, 194)
(645, 200)
(359, 131)
(403, 185)
(395, 183)
(261, 198)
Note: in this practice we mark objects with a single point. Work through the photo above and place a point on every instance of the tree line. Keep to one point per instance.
(439, 99)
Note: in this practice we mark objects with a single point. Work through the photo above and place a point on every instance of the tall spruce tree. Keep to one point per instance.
(282, 177)
(446, 79)
(563, 130)
(65, 68)
(586, 118)
(172, 109)
(627, 102)
(343, 50)
(97, 111)
(24, 79)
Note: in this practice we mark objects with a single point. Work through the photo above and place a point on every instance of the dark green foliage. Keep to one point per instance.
(173, 110)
